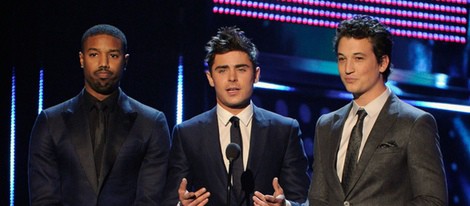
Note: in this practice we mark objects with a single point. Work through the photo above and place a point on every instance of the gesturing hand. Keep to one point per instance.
(198, 198)
(277, 199)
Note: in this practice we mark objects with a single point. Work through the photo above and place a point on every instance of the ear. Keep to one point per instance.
(257, 74)
(126, 59)
(385, 63)
(80, 56)
(209, 78)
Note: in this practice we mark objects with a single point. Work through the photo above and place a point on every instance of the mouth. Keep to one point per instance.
(232, 90)
(349, 80)
(103, 74)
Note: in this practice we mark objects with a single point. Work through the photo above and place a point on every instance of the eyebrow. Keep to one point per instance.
(354, 54)
(227, 66)
(111, 50)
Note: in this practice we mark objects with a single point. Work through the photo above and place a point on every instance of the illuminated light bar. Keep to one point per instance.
(12, 138)
(423, 22)
(333, 24)
(346, 6)
(350, 7)
(425, 104)
(431, 36)
(266, 85)
(179, 92)
(420, 5)
(405, 4)
(41, 90)
(441, 106)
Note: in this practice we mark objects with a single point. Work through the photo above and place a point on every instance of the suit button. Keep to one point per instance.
(346, 203)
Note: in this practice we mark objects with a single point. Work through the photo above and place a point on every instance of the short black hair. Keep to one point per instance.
(105, 29)
(230, 39)
(363, 26)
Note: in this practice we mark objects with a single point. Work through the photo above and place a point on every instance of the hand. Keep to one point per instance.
(198, 198)
(277, 198)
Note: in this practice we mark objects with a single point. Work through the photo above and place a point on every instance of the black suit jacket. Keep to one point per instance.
(61, 164)
(276, 150)
(401, 163)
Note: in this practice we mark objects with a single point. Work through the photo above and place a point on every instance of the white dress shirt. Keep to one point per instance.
(245, 116)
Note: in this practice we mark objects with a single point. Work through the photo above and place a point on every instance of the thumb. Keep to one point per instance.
(277, 188)
(182, 189)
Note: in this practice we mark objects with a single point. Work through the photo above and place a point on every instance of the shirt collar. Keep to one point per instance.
(110, 101)
(245, 115)
(374, 107)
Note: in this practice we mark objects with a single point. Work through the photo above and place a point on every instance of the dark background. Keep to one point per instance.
(46, 35)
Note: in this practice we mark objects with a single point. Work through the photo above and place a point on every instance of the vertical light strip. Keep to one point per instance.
(179, 92)
(41, 90)
(12, 137)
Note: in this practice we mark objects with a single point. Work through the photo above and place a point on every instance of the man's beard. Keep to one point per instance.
(107, 88)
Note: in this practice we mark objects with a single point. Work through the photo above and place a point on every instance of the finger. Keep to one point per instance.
(270, 198)
(256, 199)
(182, 189)
(277, 188)
(200, 192)
(259, 196)
(204, 202)
(203, 199)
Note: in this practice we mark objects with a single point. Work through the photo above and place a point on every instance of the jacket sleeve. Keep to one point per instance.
(294, 177)
(44, 182)
(178, 167)
(425, 162)
(318, 192)
(152, 174)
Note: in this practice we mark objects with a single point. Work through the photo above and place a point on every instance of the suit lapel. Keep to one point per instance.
(120, 124)
(336, 132)
(259, 136)
(210, 129)
(385, 120)
(79, 129)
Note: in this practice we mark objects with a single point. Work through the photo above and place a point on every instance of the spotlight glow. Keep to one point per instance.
(266, 85)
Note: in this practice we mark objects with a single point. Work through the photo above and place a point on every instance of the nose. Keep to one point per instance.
(104, 61)
(232, 75)
(349, 67)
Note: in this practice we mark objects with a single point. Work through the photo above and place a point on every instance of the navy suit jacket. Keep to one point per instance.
(276, 150)
(401, 163)
(61, 163)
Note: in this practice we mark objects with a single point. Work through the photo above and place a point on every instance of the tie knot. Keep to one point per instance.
(361, 114)
(235, 121)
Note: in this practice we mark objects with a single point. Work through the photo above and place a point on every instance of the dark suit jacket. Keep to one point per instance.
(276, 150)
(401, 163)
(61, 164)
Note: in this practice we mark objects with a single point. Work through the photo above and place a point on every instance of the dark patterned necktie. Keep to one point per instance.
(237, 164)
(100, 137)
(353, 150)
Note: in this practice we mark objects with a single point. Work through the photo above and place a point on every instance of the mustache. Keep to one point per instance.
(103, 68)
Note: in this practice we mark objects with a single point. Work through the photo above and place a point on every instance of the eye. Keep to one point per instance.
(92, 54)
(221, 70)
(358, 58)
(114, 56)
(340, 59)
(242, 69)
